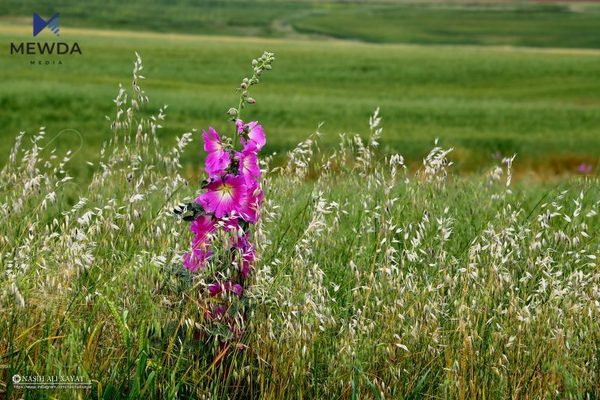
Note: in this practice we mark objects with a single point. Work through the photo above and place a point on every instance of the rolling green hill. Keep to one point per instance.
(484, 100)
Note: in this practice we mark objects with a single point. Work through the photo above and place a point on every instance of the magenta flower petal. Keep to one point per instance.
(216, 163)
(201, 227)
(212, 140)
(584, 168)
(217, 288)
(250, 147)
(237, 289)
(217, 158)
(231, 225)
(254, 199)
(256, 133)
(239, 124)
(224, 196)
(248, 166)
(215, 312)
(247, 261)
(214, 289)
(196, 259)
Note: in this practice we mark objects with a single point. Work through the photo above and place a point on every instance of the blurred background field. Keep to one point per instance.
(489, 78)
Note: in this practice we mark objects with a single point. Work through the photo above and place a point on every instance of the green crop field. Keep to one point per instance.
(543, 105)
(524, 24)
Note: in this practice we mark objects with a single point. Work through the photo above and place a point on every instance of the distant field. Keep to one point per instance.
(538, 25)
(496, 22)
(543, 105)
(483, 100)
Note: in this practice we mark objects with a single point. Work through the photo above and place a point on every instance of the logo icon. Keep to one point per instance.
(16, 378)
(39, 24)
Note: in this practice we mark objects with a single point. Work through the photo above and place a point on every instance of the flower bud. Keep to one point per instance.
(250, 100)
(243, 85)
(232, 112)
(254, 63)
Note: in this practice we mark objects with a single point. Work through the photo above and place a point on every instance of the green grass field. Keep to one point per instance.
(371, 282)
(376, 276)
(520, 24)
(543, 105)
(497, 22)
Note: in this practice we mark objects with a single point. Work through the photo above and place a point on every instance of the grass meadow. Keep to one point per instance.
(373, 281)
(389, 264)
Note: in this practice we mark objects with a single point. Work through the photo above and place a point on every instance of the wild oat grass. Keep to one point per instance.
(371, 280)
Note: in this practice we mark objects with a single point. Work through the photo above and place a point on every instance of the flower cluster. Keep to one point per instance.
(228, 206)
(232, 196)
(230, 202)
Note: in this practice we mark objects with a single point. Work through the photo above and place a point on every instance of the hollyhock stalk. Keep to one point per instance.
(229, 205)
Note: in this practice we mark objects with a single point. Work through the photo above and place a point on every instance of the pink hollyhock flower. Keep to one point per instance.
(248, 164)
(216, 288)
(256, 133)
(201, 227)
(217, 159)
(224, 196)
(216, 312)
(239, 239)
(247, 253)
(254, 199)
(249, 146)
(196, 259)
(231, 225)
(584, 168)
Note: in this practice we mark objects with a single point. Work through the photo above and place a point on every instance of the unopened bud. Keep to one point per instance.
(243, 85)
(254, 63)
(250, 100)
(232, 112)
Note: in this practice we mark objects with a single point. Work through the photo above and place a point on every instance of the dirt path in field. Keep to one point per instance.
(285, 27)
